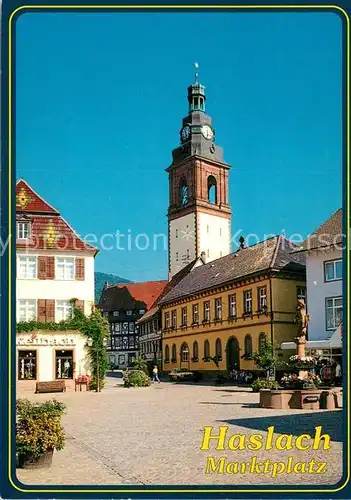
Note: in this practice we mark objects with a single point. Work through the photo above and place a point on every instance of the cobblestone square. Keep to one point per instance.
(153, 435)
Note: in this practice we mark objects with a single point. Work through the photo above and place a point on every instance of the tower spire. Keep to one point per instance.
(196, 93)
(196, 65)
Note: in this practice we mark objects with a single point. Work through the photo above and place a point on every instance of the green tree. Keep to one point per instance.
(140, 364)
(266, 358)
(96, 328)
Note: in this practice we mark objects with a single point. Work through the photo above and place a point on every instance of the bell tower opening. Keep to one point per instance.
(183, 192)
(199, 214)
(212, 190)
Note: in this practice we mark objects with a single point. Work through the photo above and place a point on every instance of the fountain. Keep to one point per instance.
(301, 390)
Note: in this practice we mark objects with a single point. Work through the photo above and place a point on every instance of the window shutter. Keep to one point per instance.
(50, 275)
(41, 314)
(80, 268)
(50, 310)
(80, 305)
(42, 267)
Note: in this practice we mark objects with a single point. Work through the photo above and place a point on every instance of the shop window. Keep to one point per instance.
(64, 364)
(27, 365)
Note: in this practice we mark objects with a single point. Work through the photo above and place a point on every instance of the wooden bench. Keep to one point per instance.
(53, 386)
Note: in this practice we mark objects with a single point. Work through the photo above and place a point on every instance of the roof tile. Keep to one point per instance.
(330, 233)
(273, 253)
(27, 200)
(49, 231)
(146, 292)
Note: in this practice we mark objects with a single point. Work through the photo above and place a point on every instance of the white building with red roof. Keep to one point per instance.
(54, 265)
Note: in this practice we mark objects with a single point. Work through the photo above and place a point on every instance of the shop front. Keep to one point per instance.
(44, 356)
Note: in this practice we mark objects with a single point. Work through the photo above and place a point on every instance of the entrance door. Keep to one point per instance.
(233, 356)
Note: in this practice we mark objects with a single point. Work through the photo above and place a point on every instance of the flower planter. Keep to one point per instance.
(30, 462)
(280, 399)
(299, 399)
(293, 399)
(311, 399)
(265, 398)
(277, 400)
(38, 432)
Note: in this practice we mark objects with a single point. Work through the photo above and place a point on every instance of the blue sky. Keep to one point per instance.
(100, 98)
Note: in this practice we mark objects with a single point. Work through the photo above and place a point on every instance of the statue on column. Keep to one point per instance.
(302, 320)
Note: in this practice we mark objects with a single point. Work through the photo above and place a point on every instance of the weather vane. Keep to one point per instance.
(196, 73)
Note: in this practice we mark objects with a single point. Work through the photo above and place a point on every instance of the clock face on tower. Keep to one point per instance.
(185, 133)
(207, 132)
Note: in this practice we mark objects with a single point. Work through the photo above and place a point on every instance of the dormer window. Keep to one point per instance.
(23, 230)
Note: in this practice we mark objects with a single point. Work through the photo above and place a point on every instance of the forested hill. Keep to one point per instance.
(100, 280)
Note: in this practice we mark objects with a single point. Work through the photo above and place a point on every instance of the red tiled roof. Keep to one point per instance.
(147, 291)
(48, 230)
(169, 285)
(27, 200)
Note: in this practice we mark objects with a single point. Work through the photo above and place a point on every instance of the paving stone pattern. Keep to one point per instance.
(153, 435)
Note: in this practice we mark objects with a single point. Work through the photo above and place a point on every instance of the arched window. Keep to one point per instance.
(195, 350)
(183, 192)
(248, 345)
(166, 354)
(219, 348)
(174, 354)
(262, 339)
(184, 352)
(212, 189)
(206, 349)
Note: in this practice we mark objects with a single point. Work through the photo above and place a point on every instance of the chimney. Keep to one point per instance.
(242, 242)
(203, 257)
(106, 285)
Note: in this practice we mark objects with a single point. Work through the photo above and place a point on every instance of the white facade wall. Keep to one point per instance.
(213, 238)
(182, 247)
(29, 288)
(318, 290)
(213, 235)
(46, 344)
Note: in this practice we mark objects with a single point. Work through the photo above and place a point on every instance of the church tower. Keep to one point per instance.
(199, 212)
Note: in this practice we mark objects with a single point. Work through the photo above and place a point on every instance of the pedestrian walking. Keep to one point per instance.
(155, 375)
